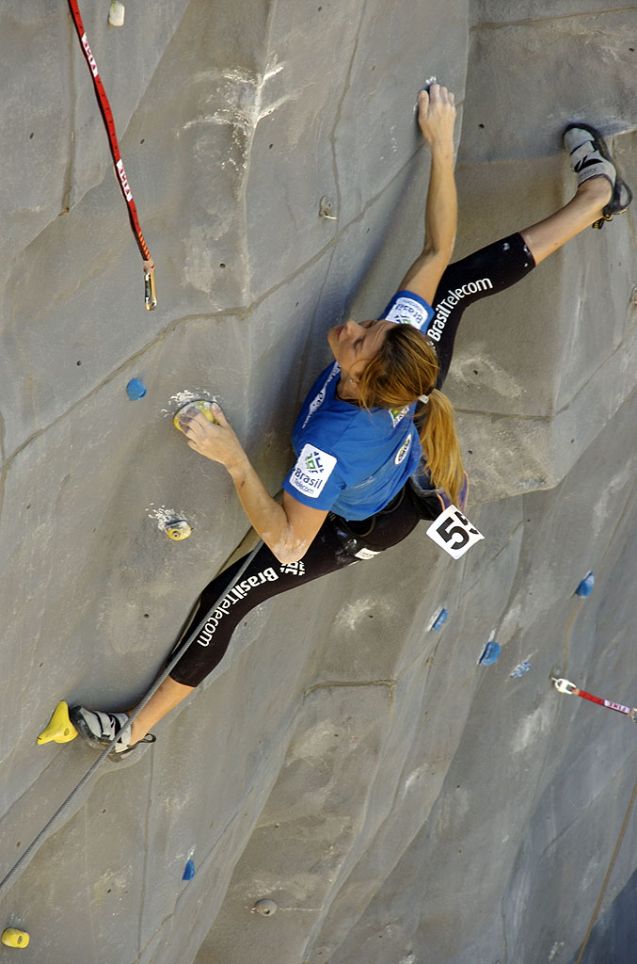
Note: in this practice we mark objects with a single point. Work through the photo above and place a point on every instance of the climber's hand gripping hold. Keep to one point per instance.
(215, 441)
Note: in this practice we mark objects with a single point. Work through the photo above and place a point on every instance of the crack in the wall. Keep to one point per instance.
(142, 897)
(349, 684)
(3, 465)
(627, 511)
(549, 18)
(339, 108)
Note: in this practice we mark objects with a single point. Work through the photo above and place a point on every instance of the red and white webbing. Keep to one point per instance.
(565, 686)
(150, 294)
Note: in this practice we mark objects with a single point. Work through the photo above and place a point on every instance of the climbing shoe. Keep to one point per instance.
(590, 157)
(99, 729)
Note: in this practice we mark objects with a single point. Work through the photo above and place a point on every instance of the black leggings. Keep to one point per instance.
(484, 273)
(266, 577)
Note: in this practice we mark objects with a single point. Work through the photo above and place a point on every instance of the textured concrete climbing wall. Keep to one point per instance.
(398, 802)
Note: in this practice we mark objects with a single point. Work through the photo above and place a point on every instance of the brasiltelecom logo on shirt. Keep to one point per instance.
(402, 451)
(312, 470)
(407, 311)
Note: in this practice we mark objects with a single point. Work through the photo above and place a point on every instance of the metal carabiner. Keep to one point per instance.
(150, 292)
(564, 686)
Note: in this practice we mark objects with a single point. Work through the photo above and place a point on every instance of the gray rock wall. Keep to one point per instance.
(399, 803)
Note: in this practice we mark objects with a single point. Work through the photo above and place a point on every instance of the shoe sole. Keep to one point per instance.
(616, 205)
(87, 735)
(85, 732)
(125, 754)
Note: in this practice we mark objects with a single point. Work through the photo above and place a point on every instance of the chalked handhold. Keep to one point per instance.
(521, 669)
(12, 937)
(116, 14)
(178, 529)
(194, 407)
(586, 586)
(265, 907)
(490, 653)
(135, 389)
(59, 729)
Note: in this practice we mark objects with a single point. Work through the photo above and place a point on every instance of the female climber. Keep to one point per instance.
(375, 439)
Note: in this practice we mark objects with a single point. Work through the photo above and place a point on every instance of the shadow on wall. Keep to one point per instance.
(614, 937)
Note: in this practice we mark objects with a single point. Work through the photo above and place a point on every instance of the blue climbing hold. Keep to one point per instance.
(189, 870)
(520, 669)
(135, 389)
(490, 653)
(586, 586)
(440, 619)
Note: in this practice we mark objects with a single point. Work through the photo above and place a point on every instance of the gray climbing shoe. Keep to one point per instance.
(100, 728)
(590, 157)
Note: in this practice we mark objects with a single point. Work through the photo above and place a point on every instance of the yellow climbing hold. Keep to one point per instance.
(192, 408)
(178, 530)
(59, 729)
(12, 937)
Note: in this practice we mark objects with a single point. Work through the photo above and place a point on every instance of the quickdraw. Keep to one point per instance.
(150, 294)
(570, 689)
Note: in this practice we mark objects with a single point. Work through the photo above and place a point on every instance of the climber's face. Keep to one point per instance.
(354, 344)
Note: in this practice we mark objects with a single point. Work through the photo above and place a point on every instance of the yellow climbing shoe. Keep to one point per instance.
(12, 937)
(59, 729)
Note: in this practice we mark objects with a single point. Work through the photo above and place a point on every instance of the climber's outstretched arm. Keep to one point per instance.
(436, 118)
(288, 529)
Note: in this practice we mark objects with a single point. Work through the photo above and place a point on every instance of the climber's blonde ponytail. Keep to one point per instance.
(441, 445)
(405, 367)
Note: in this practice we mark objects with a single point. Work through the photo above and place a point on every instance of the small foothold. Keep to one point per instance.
(326, 209)
(59, 729)
(135, 389)
(586, 586)
(178, 530)
(265, 907)
(12, 937)
(490, 653)
(189, 870)
(520, 669)
(116, 14)
(192, 408)
(440, 620)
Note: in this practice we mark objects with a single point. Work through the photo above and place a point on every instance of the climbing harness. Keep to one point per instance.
(8, 878)
(353, 538)
(150, 293)
(570, 689)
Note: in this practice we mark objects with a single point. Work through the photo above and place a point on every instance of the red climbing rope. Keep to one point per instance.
(149, 268)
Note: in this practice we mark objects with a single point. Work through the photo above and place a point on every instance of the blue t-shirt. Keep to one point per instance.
(349, 460)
